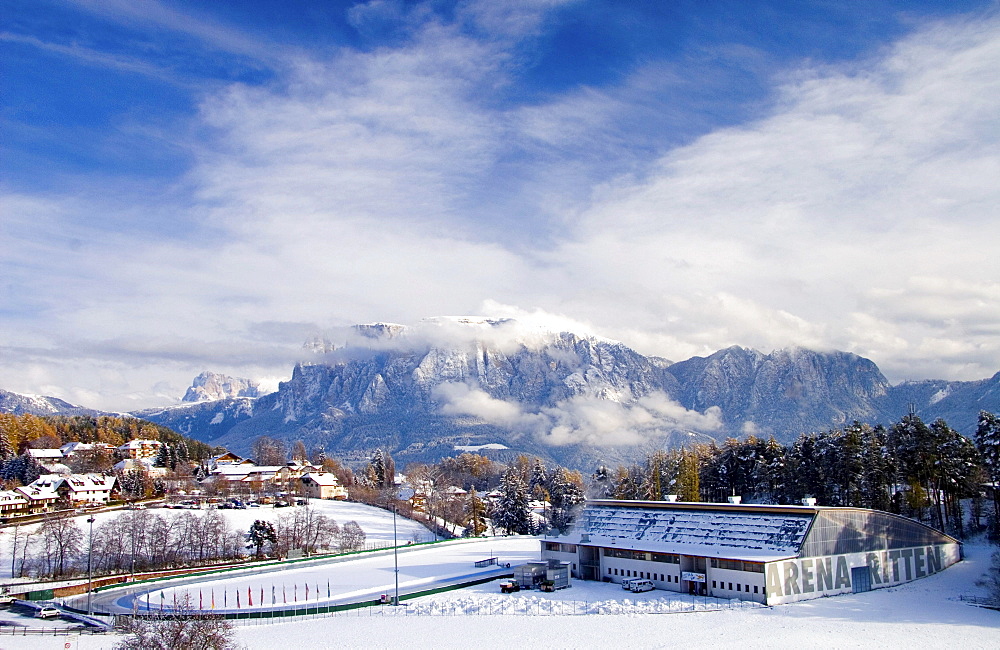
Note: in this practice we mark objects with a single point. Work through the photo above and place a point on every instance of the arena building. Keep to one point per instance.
(769, 554)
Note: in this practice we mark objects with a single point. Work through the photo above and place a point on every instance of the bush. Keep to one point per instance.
(182, 630)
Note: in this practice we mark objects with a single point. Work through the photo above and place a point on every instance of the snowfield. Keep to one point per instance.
(926, 613)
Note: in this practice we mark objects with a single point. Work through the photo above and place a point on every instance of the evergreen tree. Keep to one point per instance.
(988, 443)
(511, 509)
(688, 477)
(567, 495)
(6, 450)
(261, 533)
(602, 485)
(24, 468)
(162, 456)
(879, 469)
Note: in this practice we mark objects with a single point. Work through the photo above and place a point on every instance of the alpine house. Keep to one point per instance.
(765, 553)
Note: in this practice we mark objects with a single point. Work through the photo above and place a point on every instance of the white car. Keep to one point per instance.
(47, 611)
(6, 599)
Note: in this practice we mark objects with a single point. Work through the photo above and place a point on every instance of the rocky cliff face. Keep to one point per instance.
(209, 386)
(574, 399)
(786, 392)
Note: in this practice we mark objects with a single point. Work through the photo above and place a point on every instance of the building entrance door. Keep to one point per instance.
(861, 579)
(590, 563)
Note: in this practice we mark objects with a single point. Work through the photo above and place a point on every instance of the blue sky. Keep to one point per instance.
(188, 186)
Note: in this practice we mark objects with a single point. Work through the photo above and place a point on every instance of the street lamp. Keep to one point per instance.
(402, 494)
(90, 567)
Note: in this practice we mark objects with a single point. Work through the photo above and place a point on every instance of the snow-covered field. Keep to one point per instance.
(338, 581)
(376, 523)
(926, 613)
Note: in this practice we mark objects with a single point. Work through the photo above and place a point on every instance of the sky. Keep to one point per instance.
(189, 186)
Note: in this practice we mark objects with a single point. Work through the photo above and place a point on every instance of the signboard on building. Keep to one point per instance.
(691, 576)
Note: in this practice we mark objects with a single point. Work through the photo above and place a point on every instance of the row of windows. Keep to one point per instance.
(560, 548)
(624, 554)
(669, 558)
(629, 573)
(738, 565)
(745, 588)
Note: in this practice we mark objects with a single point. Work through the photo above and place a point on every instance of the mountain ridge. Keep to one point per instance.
(575, 399)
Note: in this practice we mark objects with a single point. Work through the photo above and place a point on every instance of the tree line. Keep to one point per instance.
(141, 540)
(920, 470)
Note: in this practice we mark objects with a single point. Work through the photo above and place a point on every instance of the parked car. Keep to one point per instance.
(639, 586)
(47, 611)
(7, 599)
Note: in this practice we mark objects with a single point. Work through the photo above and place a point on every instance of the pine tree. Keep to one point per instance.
(602, 484)
(24, 469)
(511, 510)
(688, 478)
(988, 443)
(261, 533)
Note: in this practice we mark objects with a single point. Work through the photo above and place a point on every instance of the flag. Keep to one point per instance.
(262, 594)
(225, 599)
(284, 597)
(272, 595)
(200, 606)
(175, 600)
(296, 591)
(213, 597)
(237, 599)
(307, 591)
(327, 588)
(162, 597)
(249, 597)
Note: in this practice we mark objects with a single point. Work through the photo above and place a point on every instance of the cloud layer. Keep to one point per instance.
(581, 419)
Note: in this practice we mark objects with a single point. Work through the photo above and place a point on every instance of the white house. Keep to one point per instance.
(323, 485)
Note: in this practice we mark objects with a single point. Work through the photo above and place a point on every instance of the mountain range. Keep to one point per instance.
(422, 393)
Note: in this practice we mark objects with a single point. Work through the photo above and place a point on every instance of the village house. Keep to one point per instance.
(139, 449)
(40, 498)
(323, 485)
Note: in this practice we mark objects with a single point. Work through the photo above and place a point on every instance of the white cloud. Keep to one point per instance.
(581, 419)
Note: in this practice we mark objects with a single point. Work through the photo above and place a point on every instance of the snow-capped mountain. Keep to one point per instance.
(422, 391)
(19, 404)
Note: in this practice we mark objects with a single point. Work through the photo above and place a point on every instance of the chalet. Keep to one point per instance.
(12, 502)
(40, 498)
(81, 489)
(323, 485)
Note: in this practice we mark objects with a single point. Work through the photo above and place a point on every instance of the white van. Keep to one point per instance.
(637, 586)
(627, 583)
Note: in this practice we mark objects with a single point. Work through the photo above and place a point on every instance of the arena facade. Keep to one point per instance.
(765, 553)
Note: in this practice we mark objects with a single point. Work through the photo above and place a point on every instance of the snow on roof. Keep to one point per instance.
(45, 453)
(73, 447)
(37, 493)
(322, 478)
(11, 496)
(728, 533)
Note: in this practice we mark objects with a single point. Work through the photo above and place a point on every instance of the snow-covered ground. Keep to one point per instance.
(376, 522)
(332, 581)
(926, 613)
